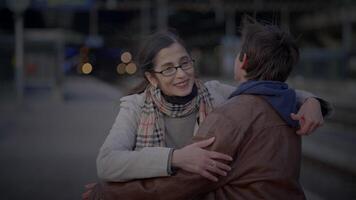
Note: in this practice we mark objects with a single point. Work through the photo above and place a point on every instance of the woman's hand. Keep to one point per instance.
(309, 116)
(193, 158)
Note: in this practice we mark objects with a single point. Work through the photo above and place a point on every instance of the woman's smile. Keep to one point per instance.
(182, 84)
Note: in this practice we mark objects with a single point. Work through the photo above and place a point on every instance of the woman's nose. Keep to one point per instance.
(180, 72)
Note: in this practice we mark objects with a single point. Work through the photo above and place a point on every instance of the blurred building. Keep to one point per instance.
(108, 28)
(50, 146)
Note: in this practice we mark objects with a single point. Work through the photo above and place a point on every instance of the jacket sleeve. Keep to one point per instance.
(117, 161)
(183, 185)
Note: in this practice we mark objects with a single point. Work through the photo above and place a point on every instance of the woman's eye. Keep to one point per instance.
(170, 69)
(167, 66)
(185, 64)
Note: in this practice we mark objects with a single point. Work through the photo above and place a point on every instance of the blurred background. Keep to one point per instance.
(64, 64)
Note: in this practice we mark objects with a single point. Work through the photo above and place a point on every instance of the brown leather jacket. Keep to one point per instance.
(266, 163)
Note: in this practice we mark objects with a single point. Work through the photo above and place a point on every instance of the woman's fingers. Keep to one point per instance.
(223, 166)
(215, 169)
(194, 158)
(305, 128)
(296, 117)
(314, 127)
(208, 175)
(204, 143)
(218, 155)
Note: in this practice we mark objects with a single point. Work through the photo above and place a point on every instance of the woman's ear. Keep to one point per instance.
(151, 79)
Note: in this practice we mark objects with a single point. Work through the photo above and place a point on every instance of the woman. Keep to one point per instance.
(165, 114)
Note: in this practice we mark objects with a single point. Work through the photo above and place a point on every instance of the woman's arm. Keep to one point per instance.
(222, 90)
(117, 161)
(325, 106)
(310, 115)
(311, 112)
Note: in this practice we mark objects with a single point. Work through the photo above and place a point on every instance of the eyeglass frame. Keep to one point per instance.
(191, 61)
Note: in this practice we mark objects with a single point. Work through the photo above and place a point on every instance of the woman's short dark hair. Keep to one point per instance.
(148, 51)
(271, 52)
(153, 44)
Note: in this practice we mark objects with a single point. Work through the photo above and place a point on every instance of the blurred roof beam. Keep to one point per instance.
(213, 5)
(327, 18)
(218, 10)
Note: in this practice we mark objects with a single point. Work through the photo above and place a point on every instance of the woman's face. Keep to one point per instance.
(180, 83)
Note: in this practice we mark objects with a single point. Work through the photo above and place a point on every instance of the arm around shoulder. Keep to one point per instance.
(326, 107)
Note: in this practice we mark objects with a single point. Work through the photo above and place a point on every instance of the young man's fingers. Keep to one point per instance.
(90, 185)
(86, 195)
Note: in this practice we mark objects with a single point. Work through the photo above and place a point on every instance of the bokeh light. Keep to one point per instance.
(87, 68)
(131, 68)
(126, 57)
(121, 68)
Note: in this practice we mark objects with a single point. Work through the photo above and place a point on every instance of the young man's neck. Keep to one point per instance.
(242, 80)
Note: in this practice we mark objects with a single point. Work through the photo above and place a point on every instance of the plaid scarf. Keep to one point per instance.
(151, 129)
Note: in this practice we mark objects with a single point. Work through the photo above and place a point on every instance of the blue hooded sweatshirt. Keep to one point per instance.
(277, 94)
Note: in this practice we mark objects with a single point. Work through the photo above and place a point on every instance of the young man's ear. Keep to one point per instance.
(151, 79)
(244, 62)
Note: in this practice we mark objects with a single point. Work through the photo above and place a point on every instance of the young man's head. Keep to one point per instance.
(267, 53)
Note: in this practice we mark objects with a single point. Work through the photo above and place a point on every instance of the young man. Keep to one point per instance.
(254, 127)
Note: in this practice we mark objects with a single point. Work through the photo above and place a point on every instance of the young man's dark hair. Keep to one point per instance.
(271, 52)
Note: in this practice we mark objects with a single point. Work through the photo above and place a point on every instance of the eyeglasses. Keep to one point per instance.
(170, 71)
